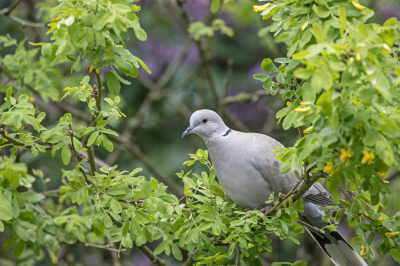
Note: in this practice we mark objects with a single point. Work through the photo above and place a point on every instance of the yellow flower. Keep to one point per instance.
(93, 68)
(305, 103)
(357, 5)
(55, 20)
(381, 174)
(389, 234)
(309, 129)
(360, 124)
(368, 157)
(328, 167)
(31, 99)
(346, 154)
(261, 8)
(358, 56)
(304, 26)
(363, 250)
(303, 110)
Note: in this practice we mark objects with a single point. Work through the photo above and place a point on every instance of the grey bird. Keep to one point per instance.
(249, 173)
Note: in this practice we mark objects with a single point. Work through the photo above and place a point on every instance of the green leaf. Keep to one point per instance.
(107, 143)
(19, 247)
(135, 228)
(115, 206)
(47, 50)
(299, 263)
(215, 6)
(161, 206)
(5, 213)
(92, 138)
(395, 254)
(268, 66)
(30, 196)
(303, 73)
(107, 222)
(112, 83)
(66, 154)
(161, 247)
(177, 252)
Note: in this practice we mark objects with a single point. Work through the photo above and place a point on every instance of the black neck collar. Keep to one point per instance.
(227, 132)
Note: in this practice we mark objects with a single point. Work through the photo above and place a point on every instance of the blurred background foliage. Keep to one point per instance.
(158, 105)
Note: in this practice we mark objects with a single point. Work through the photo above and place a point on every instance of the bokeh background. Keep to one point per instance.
(158, 106)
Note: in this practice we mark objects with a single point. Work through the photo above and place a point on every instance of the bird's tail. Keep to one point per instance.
(339, 251)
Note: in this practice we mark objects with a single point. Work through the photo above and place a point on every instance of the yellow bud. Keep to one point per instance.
(389, 234)
(386, 47)
(31, 99)
(309, 129)
(305, 103)
(119, 45)
(303, 110)
(261, 8)
(363, 250)
(55, 20)
(358, 56)
(304, 26)
(381, 174)
(351, 60)
(357, 5)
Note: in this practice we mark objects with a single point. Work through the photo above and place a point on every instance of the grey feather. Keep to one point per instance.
(248, 172)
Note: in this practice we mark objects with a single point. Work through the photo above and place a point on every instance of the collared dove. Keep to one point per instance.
(249, 173)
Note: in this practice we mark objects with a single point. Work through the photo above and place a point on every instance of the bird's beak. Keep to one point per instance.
(188, 131)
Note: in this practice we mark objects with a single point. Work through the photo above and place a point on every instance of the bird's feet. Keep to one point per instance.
(266, 209)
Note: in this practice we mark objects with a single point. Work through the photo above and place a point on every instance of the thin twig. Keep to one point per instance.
(104, 247)
(18, 142)
(99, 97)
(6, 11)
(300, 191)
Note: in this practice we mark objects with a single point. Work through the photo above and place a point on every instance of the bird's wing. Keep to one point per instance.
(265, 163)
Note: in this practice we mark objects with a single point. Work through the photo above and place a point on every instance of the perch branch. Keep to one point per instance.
(149, 254)
(295, 194)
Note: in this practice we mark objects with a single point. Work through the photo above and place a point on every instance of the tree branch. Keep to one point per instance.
(295, 194)
(18, 142)
(6, 11)
(149, 254)
(237, 255)
(99, 97)
(133, 149)
(104, 247)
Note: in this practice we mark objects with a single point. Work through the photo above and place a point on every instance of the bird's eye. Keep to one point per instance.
(205, 120)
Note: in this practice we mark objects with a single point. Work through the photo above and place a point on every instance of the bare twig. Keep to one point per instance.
(299, 192)
(99, 97)
(149, 254)
(190, 259)
(6, 11)
(237, 255)
(107, 247)
(24, 23)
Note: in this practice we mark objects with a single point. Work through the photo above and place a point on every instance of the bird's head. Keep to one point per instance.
(206, 124)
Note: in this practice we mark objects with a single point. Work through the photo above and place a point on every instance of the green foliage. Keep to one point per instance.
(341, 81)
